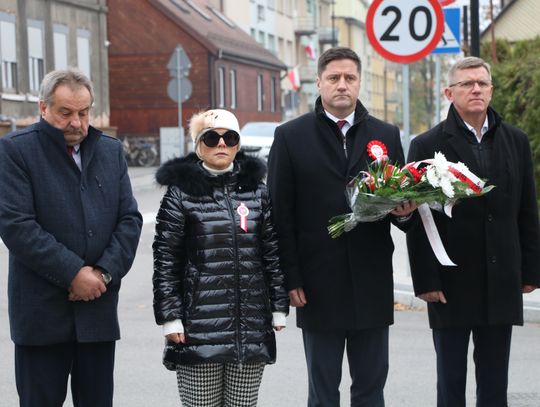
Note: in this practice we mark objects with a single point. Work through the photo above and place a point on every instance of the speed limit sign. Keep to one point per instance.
(404, 31)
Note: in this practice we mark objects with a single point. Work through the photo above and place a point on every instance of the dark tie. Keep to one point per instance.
(341, 123)
(70, 151)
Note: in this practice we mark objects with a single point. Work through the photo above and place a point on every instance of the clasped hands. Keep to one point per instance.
(87, 285)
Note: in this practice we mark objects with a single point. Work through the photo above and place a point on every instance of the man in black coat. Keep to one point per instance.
(493, 239)
(71, 224)
(342, 288)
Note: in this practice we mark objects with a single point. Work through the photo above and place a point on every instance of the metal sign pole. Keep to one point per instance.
(179, 93)
(406, 118)
(437, 89)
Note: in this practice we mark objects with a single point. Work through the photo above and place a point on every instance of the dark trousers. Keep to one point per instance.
(41, 374)
(491, 357)
(367, 354)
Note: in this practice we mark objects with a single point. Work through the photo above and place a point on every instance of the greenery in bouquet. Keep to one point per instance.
(379, 190)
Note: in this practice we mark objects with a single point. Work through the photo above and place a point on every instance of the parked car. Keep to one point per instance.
(257, 138)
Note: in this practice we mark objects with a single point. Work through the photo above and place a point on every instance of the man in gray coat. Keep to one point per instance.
(71, 224)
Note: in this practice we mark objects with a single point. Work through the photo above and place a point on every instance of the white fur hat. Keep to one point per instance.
(202, 122)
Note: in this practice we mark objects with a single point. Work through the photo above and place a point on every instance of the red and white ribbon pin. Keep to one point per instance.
(243, 212)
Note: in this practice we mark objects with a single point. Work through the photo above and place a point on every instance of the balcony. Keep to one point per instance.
(327, 35)
(305, 25)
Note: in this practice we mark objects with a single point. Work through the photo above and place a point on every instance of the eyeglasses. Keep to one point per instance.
(211, 138)
(470, 84)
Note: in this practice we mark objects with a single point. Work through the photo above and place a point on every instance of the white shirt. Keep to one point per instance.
(76, 154)
(483, 130)
(349, 119)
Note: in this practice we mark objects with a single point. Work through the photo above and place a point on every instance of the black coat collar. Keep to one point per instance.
(55, 137)
(188, 174)
(455, 128)
(355, 141)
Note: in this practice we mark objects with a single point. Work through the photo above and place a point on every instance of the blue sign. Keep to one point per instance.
(450, 42)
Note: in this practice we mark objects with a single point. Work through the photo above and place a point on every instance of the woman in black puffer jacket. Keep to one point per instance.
(218, 289)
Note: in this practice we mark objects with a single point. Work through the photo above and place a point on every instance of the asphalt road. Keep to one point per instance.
(142, 381)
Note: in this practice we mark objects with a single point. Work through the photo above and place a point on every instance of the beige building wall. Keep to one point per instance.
(519, 21)
(271, 23)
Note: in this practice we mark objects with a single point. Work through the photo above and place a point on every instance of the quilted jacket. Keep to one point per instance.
(222, 281)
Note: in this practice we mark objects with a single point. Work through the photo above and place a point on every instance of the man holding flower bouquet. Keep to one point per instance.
(494, 240)
(343, 287)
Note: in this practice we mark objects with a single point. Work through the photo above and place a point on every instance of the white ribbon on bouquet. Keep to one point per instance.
(464, 175)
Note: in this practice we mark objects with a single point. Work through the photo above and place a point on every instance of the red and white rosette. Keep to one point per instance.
(243, 212)
(377, 150)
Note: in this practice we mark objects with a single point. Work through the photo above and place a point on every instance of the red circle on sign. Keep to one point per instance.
(405, 59)
(446, 2)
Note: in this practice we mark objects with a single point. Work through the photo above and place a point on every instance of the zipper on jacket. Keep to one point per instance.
(236, 272)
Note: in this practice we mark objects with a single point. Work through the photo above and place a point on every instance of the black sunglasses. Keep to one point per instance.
(211, 138)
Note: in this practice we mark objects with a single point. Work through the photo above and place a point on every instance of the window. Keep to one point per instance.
(222, 17)
(180, 6)
(289, 53)
(260, 13)
(272, 43)
(310, 6)
(60, 37)
(198, 10)
(273, 94)
(8, 53)
(260, 93)
(281, 50)
(232, 74)
(36, 69)
(262, 38)
(83, 51)
(221, 87)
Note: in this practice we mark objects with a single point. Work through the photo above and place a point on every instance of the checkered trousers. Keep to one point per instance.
(219, 385)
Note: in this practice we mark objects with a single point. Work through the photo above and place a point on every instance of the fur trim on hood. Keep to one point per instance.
(188, 174)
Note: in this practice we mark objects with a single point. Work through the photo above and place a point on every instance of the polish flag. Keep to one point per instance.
(294, 78)
(310, 52)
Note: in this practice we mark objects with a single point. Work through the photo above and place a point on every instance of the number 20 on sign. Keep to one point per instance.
(404, 31)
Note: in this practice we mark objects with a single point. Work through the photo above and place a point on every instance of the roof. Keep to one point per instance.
(215, 31)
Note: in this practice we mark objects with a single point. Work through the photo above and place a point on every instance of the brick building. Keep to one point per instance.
(229, 70)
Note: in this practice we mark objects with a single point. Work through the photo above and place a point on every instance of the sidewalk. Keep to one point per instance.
(144, 178)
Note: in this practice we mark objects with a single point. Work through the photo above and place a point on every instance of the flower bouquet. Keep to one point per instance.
(383, 187)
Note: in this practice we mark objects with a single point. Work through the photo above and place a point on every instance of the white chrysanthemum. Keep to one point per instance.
(446, 186)
(432, 176)
(440, 163)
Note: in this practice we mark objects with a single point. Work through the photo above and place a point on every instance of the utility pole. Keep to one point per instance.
(475, 28)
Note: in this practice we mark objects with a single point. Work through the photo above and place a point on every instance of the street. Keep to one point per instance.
(142, 381)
